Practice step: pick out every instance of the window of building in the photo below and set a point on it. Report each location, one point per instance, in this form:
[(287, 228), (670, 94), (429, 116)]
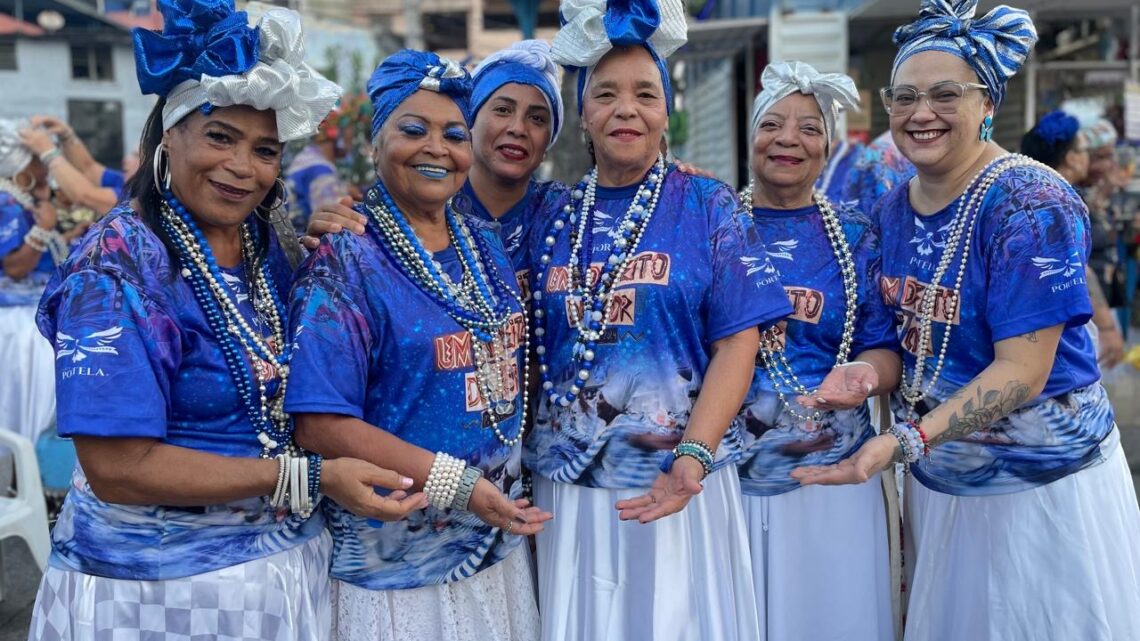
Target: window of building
[(99, 124), (8, 56), (92, 62)]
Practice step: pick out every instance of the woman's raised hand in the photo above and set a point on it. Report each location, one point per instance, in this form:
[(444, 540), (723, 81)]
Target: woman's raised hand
[(497, 510), (351, 482), (845, 386), (330, 219), (670, 493)]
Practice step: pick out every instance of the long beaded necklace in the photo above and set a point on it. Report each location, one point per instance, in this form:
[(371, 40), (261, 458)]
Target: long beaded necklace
[(594, 298), (962, 225), (19, 195), (267, 414), (776, 364), (478, 303)]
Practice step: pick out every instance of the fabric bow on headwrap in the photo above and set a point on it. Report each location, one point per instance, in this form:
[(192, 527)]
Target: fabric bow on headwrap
[(995, 45), (14, 156), (832, 91), (525, 63), (406, 72), (590, 28), (208, 54), (1057, 128)]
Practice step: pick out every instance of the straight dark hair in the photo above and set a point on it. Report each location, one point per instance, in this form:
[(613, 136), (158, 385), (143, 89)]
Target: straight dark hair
[(143, 189)]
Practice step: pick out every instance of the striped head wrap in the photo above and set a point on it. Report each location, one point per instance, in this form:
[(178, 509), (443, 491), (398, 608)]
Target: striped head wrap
[(995, 45)]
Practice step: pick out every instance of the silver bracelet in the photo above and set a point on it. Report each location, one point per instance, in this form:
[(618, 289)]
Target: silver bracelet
[(467, 482)]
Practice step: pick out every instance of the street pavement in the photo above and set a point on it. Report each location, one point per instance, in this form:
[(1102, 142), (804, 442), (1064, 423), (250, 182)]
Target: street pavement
[(21, 577)]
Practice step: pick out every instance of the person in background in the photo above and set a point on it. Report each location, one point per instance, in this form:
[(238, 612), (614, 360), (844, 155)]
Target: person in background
[(879, 167), (86, 182), (1056, 141), (311, 176)]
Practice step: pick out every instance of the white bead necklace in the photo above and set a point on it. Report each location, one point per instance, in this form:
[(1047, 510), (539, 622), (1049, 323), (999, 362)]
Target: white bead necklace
[(779, 370), (962, 225), (19, 195)]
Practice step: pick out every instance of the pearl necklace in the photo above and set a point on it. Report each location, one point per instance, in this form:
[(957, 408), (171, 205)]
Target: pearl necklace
[(962, 225), (19, 195), (479, 304), (596, 299), (776, 364), (273, 426)]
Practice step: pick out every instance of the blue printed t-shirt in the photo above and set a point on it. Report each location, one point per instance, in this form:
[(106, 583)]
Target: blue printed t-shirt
[(136, 358), (370, 344), (1025, 273), (312, 181), (113, 180), (15, 223), (802, 256), (877, 169), (832, 179), (698, 277)]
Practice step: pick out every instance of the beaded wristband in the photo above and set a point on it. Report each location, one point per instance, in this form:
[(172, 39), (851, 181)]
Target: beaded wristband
[(278, 497), (34, 241), (315, 463), (467, 481), (50, 155), (443, 480), (921, 435), (692, 448)]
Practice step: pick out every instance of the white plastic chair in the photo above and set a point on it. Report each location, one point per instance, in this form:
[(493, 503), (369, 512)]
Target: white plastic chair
[(25, 515)]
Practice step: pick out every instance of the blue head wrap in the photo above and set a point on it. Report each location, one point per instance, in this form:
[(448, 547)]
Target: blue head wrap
[(590, 28), (207, 54), (1057, 128), (406, 72), (525, 63), (995, 45)]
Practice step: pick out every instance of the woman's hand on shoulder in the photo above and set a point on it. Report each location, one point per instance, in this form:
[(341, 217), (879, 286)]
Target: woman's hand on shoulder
[(330, 219), (694, 170), (351, 482), (497, 510)]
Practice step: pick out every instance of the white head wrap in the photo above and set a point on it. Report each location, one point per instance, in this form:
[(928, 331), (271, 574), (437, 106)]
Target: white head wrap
[(280, 81), (832, 91), (585, 35), (14, 156)]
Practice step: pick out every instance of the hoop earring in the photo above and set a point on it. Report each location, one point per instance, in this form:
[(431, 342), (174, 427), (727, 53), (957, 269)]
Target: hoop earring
[(279, 202), (161, 168), (986, 131), (32, 183)]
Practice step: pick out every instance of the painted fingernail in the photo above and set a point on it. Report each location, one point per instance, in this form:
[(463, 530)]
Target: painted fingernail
[(405, 481)]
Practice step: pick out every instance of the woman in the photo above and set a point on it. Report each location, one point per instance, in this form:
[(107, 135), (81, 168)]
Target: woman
[(1023, 518), (649, 286), (1057, 141), (189, 513), (839, 341), (410, 344), (29, 242), (82, 179)]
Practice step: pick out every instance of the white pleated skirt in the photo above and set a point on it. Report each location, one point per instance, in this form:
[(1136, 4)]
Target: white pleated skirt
[(1060, 562), (687, 577), (283, 597), (821, 563), (497, 604)]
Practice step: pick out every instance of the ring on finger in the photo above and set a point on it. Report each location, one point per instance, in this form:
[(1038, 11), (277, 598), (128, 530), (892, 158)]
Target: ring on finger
[(510, 526)]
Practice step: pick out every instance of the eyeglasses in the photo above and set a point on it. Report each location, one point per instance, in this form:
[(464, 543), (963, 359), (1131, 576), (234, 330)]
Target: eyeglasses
[(942, 98)]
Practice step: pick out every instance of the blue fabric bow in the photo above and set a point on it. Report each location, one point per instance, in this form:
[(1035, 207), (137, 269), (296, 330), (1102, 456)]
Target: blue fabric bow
[(631, 22), (1057, 128), (995, 45), (405, 72), (199, 37)]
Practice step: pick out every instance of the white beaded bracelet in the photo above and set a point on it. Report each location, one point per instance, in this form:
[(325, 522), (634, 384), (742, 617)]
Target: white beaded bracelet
[(278, 498), (442, 482)]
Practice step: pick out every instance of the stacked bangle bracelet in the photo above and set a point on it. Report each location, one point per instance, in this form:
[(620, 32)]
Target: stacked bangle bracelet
[(298, 483), (698, 450), (912, 441)]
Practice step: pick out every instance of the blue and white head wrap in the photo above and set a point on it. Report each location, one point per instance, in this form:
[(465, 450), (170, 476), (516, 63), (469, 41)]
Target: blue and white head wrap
[(525, 63), (406, 72), (590, 28), (995, 45), (832, 91), (210, 54)]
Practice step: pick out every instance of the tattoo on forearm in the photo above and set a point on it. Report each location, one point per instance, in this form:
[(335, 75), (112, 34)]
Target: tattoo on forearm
[(982, 407), (1031, 337)]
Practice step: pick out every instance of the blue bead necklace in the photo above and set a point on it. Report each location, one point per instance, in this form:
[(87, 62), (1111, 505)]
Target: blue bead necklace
[(589, 291), (479, 302), (241, 346)]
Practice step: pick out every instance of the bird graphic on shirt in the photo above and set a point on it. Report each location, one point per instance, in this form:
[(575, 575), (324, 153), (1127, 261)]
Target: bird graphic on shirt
[(95, 343)]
